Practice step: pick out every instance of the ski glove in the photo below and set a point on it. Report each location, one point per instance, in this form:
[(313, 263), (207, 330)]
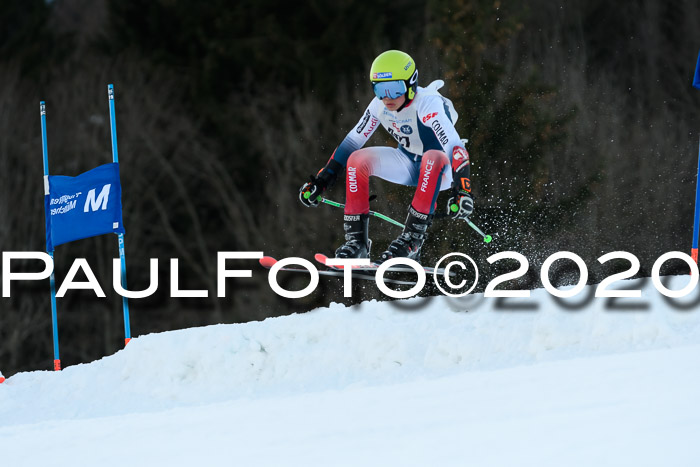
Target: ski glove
[(310, 193), (460, 205)]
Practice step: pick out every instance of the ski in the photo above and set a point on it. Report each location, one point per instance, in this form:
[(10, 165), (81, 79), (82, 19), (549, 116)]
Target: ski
[(268, 261), (321, 258)]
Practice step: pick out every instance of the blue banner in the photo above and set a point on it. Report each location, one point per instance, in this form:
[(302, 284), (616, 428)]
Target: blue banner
[(83, 206), (696, 80)]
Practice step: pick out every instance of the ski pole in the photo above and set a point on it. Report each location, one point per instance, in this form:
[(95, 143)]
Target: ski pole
[(371, 213), (487, 238)]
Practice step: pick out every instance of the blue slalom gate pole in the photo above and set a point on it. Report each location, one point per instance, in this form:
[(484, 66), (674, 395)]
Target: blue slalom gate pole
[(54, 314), (122, 252), (696, 224)]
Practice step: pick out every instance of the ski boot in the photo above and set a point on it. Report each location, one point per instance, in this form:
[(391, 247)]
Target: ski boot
[(409, 243), (357, 243)]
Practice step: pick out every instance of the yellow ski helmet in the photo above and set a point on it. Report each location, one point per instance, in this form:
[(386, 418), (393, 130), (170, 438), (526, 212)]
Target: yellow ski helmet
[(394, 73)]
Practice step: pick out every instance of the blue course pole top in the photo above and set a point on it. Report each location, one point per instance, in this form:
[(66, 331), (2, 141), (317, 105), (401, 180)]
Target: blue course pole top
[(44, 147), (112, 122)]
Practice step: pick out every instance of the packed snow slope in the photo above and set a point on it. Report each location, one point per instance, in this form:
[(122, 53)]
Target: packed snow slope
[(481, 382)]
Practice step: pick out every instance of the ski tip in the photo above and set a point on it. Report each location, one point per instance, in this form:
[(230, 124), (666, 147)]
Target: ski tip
[(267, 261), (321, 258)]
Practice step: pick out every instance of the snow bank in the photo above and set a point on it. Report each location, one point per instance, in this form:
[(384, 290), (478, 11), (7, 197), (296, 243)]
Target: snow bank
[(477, 382), (339, 347)]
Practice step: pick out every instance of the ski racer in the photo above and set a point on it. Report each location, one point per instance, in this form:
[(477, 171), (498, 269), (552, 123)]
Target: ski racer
[(429, 156)]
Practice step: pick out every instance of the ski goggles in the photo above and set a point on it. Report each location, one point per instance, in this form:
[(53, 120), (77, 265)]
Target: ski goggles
[(390, 89)]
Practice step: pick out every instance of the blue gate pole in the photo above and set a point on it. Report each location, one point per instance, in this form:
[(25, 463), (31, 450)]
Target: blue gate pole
[(696, 224), (54, 315), (122, 253)]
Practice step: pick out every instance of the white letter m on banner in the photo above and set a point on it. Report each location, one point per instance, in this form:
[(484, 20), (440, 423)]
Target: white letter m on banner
[(94, 204)]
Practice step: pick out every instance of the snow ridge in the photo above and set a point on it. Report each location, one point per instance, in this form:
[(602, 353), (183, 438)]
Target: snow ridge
[(333, 348)]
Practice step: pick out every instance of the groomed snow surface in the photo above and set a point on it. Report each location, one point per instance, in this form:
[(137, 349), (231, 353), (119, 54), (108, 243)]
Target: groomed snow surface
[(477, 382)]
